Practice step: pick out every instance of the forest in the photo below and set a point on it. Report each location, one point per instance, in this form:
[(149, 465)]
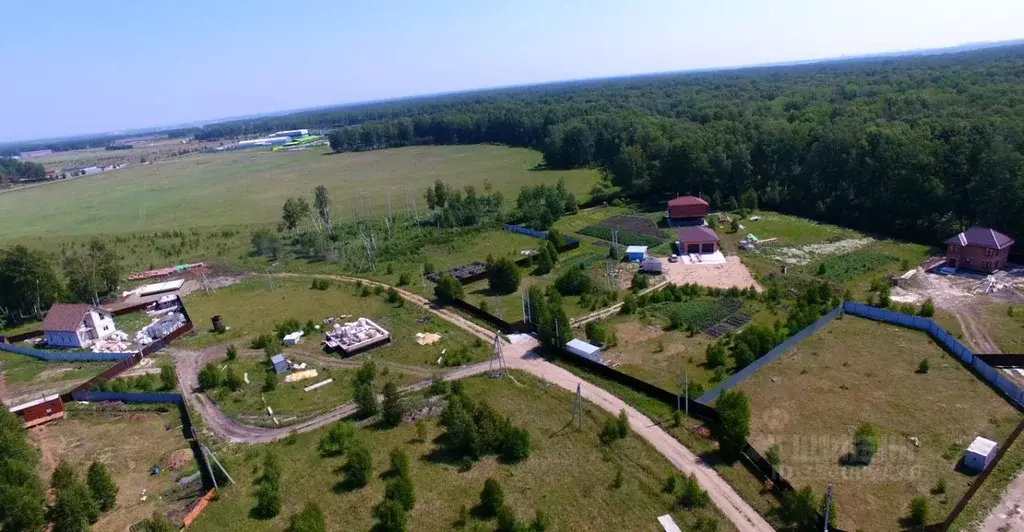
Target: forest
[(14, 171)]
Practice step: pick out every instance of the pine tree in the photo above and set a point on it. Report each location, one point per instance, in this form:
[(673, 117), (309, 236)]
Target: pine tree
[(103, 489)]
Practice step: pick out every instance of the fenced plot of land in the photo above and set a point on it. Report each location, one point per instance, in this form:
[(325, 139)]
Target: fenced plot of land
[(812, 399), (26, 378), (632, 230), (130, 444), (569, 474)]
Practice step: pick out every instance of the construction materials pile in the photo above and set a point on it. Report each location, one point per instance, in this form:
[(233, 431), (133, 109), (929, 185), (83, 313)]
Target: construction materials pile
[(116, 342), (356, 336), (160, 327), (462, 271)]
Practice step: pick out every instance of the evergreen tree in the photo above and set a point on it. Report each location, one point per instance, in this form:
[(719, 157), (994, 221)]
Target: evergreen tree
[(103, 489), (392, 410)]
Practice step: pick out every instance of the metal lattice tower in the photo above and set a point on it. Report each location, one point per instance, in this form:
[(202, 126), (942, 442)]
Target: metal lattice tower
[(497, 369), (828, 504), (577, 407)]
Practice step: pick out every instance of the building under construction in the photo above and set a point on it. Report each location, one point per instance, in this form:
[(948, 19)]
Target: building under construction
[(356, 337)]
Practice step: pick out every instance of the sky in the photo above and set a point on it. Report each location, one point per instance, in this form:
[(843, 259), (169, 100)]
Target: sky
[(90, 66)]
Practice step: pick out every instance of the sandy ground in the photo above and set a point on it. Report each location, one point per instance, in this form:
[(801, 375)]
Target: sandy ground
[(517, 355), (1009, 513), (732, 273)]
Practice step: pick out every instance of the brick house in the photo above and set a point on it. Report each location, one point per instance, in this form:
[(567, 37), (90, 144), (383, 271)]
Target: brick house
[(978, 248), (76, 326), (697, 240), (687, 210)]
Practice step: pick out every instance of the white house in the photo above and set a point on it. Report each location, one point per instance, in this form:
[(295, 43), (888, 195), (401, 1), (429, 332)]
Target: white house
[(980, 454), (76, 325)]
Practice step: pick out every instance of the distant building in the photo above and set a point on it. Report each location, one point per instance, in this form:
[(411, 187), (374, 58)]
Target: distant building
[(980, 454), (583, 349), (35, 153), (636, 253), (687, 210), (280, 364), (978, 248), (76, 326), (268, 141), (697, 240), (39, 411), (293, 133)]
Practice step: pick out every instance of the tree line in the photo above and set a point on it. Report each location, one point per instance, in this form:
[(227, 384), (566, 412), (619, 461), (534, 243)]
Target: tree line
[(14, 170)]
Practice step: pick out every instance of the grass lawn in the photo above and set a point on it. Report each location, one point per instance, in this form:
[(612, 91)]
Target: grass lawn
[(812, 399), (129, 443), (1007, 331), (991, 492), (28, 326), (26, 375), (251, 307), (289, 401), (249, 186), (568, 475)]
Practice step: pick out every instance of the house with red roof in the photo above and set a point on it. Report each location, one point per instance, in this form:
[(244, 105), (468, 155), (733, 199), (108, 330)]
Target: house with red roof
[(687, 210), (978, 248)]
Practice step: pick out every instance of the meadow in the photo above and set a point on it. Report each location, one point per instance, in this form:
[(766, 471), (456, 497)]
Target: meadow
[(811, 400), (569, 475), (249, 187)]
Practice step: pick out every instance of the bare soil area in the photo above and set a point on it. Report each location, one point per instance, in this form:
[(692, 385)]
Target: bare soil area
[(732, 273)]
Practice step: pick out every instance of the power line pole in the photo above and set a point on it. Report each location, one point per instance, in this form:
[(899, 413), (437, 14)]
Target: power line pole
[(577, 407), (828, 505), (497, 369)]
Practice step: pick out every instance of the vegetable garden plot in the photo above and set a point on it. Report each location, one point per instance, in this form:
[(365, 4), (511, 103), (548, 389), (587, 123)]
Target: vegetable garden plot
[(701, 314), (626, 238), (634, 224)]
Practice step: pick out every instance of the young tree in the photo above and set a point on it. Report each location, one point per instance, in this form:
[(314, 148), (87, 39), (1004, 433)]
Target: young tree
[(400, 489), (749, 199), (924, 366), (158, 522), (542, 262), (391, 517), (168, 378), (629, 304), (28, 281), (266, 243), (730, 204), (517, 444), (574, 281), (774, 455), (691, 495), (366, 372), (392, 410), (63, 477), (541, 522), (337, 439), (551, 251), (715, 355), (232, 380), (322, 203), (640, 282), (798, 509), (507, 521), (919, 511), (865, 444), (733, 426), (492, 498), (209, 377), (365, 399), (595, 333), (448, 288), (102, 487), (503, 276), (92, 273), (270, 381), (734, 226), (290, 214), (927, 308), (75, 509), (310, 519), (359, 466), (268, 500)]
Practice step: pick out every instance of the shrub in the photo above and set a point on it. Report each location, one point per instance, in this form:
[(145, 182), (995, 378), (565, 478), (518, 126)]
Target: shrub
[(503, 276), (320, 284), (629, 304), (168, 378), (517, 444), (365, 399), (404, 279), (622, 424), (924, 366), (448, 288), (391, 517), (541, 522), (733, 426), (359, 466), (287, 327), (270, 381), (715, 355), (574, 281), (102, 487), (438, 386), (400, 490), (918, 511), (232, 352), (618, 480), (640, 282), (670, 483), (262, 341), (232, 380), (507, 521), (927, 308), (595, 333), (310, 519), (492, 498), (393, 296), (797, 508), (337, 439), (268, 501), (774, 456), (940, 486), (865, 444), (691, 495), (209, 377)]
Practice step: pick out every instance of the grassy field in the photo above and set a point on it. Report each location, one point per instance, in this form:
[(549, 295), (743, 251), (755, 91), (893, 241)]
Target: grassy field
[(251, 307), (990, 493), (129, 444), (1006, 330), (289, 401), (812, 399), (568, 475), (24, 375), (249, 187)]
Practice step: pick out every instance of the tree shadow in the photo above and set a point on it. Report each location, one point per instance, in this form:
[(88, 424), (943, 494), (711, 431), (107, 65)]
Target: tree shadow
[(851, 460), (346, 484)]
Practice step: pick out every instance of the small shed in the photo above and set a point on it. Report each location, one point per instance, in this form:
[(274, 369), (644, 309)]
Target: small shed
[(293, 338), (583, 349), (651, 265), (39, 411), (980, 454), (636, 253), (280, 364)]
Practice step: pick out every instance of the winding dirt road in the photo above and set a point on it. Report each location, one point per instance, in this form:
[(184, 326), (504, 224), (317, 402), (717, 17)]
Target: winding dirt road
[(518, 355)]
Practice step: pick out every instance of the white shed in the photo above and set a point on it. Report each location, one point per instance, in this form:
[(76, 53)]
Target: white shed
[(980, 454), (583, 349), (636, 253)]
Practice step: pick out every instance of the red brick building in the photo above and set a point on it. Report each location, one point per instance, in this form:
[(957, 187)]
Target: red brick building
[(978, 248), (687, 210), (39, 411)]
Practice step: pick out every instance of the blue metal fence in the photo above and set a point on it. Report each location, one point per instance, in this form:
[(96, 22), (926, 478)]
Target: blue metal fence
[(70, 356), (128, 397), (525, 231), (742, 374)]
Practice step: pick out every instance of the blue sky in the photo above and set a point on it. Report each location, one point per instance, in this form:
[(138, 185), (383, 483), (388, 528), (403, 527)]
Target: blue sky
[(84, 66)]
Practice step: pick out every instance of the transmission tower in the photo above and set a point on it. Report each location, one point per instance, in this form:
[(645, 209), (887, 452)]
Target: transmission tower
[(497, 369), (577, 407)]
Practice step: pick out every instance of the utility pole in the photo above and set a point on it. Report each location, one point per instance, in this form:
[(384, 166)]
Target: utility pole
[(828, 504), (497, 369), (687, 393), (678, 391), (577, 407)]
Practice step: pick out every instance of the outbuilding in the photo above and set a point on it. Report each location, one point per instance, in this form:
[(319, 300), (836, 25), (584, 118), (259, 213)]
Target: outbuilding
[(76, 326), (279, 363), (651, 265), (978, 248), (699, 240), (980, 454), (583, 349), (636, 253), (39, 411), (687, 210)]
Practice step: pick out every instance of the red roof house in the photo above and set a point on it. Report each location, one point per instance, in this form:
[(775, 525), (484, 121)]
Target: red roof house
[(697, 240), (978, 248), (687, 209)]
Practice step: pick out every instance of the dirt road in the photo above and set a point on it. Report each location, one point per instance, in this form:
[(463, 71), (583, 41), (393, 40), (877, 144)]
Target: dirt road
[(1009, 513), (609, 311), (518, 355), (962, 303)]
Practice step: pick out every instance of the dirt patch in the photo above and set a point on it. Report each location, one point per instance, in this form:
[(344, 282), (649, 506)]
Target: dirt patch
[(178, 459), (806, 254), (732, 273)]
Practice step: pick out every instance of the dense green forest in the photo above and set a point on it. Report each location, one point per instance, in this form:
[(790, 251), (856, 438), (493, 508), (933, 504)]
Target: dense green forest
[(915, 147), (13, 171)]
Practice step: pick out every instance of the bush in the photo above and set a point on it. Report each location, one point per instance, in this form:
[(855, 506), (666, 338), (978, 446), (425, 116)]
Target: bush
[(231, 352), (158, 522), (320, 284), (287, 327), (774, 456), (670, 483), (209, 377), (595, 333), (337, 439), (517, 444), (865, 444), (927, 308), (574, 281), (400, 490), (940, 487), (507, 521), (924, 366), (102, 487), (797, 508), (310, 519), (232, 380), (542, 262), (448, 288), (541, 522), (168, 378), (391, 517), (733, 426), (393, 296), (404, 279), (715, 355), (270, 381), (365, 399), (492, 498), (640, 282), (268, 501), (359, 466), (503, 276), (619, 479), (691, 495), (629, 304), (918, 511), (262, 341)]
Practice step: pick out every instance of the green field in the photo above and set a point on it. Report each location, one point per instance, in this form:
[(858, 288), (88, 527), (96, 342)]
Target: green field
[(569, 474), (249, 187)]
